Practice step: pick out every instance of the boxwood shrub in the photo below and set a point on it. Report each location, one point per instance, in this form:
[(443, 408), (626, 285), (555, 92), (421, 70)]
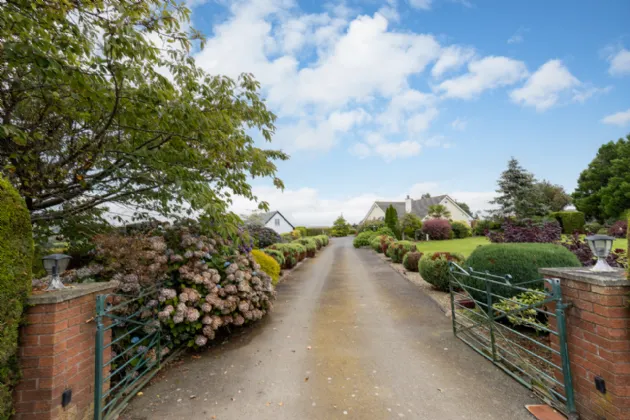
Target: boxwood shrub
[(397, 250), (570, 221), (276, 255), (364, 238), (267, 264), (309, 244), (520, 260), (411, 260), (293, 253), (434, 268)]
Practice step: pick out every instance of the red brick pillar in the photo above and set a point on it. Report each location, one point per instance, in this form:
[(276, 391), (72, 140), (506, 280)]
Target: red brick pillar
[(57, 354), (598, 335)]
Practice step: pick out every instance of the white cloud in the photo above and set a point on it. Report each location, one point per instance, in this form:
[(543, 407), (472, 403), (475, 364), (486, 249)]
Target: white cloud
[(586, 92), (518, 37), (619, 63), (421, 4), (542, 90), (459, 124), (376, 145), (452, 58), (487, 73), (619, 118), (308, 207), (402, 105), (419, 122)]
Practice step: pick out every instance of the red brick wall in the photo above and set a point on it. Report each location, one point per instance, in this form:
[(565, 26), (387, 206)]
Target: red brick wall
[(57, 353), (598, 335)]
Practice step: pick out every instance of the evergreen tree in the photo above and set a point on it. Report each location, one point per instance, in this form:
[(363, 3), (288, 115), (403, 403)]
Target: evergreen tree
[(340, 227), (391, 218), (517, 194)]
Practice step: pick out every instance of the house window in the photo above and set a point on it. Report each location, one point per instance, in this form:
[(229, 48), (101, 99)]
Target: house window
[(277, 222)]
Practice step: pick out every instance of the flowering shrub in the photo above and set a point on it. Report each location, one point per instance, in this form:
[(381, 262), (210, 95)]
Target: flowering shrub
[(527, 231), (267, 264), (263, 236), (434, 268), (397, 250), (202, 283), (461, 230), (437, 229), (619, 229), (364, 238), (411, 260)]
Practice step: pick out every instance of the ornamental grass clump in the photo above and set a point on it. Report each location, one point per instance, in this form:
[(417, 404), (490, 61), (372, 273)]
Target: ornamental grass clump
[(397, 250), (434, 268), (411, 260)]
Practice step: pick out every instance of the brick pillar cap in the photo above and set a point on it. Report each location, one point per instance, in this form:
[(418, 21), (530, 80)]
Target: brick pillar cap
[(614, 278), (69, 293)]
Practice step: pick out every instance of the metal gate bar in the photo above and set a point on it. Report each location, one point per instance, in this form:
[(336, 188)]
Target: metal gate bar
[(489, 331)]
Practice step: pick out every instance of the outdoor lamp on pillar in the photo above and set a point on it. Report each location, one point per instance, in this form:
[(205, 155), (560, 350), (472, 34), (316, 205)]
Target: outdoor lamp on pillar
[(600, 245), (55, 264)]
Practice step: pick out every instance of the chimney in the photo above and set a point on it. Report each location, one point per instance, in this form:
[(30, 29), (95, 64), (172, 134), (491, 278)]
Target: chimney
[(408, 202)]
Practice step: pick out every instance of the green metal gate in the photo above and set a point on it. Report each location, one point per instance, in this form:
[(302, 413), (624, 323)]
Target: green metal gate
[(132, 356), (526, 340)]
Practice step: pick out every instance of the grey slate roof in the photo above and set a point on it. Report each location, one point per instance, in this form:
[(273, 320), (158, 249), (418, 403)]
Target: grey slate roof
[(418, 207)]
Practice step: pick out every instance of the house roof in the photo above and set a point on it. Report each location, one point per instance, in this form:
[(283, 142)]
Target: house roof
[(418, 207), (266, 217)]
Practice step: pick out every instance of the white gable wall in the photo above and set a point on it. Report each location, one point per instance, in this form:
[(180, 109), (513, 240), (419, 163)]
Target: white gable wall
[(278, 224), (375, 213), (456, 213)]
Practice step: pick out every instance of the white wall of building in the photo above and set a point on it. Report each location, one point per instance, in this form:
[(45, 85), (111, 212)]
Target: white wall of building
[(278, 224), (375, 213), (456, 213)]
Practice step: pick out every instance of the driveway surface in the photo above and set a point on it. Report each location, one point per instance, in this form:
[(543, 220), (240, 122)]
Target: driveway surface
[(349, 338)]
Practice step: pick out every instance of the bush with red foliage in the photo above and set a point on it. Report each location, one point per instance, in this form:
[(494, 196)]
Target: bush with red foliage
[(527, 231), (619, 229), (437, 229), (575, 244)]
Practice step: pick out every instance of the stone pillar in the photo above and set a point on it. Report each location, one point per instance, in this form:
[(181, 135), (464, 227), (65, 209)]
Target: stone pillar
[(598, 335), (56, 354)]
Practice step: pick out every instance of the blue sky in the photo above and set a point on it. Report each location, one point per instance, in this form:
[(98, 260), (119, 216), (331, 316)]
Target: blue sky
[(379, 99)]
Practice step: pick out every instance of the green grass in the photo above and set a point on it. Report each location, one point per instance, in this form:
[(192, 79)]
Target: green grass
[(463, 246), (468, 245)]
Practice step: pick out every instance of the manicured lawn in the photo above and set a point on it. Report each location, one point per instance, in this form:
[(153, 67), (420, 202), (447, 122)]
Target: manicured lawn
[(468, 245), (463, 246)]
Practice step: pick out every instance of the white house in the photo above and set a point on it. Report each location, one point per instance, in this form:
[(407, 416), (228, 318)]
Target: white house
[(276, 221), (418, 207)]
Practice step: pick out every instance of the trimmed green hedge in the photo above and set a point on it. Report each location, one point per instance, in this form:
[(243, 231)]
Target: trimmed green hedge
[(435, 270), (520, 260), (571, 221), (276, 255), (293, 253), (310, 244), (364, 238), (16, 254), (324, 238), (397, 250)]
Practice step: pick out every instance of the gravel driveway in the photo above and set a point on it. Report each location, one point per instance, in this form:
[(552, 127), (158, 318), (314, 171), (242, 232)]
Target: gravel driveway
[(348, 338)]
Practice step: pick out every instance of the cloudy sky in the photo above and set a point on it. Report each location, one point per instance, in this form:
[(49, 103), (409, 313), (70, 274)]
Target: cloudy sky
[(380, 99)]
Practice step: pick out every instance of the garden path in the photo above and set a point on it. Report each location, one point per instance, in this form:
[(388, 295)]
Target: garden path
[(348, 338)]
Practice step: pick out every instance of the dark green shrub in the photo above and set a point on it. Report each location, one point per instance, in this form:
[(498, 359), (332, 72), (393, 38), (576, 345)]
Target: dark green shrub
[(461, 230), (386, 231), (364, 238), (397, 250), (519, 260), (16, 253), (409, 225), (570, 221), (592, 228), (484, 226), (263, 236), (435, 270), (276, 255), (411, 260)]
